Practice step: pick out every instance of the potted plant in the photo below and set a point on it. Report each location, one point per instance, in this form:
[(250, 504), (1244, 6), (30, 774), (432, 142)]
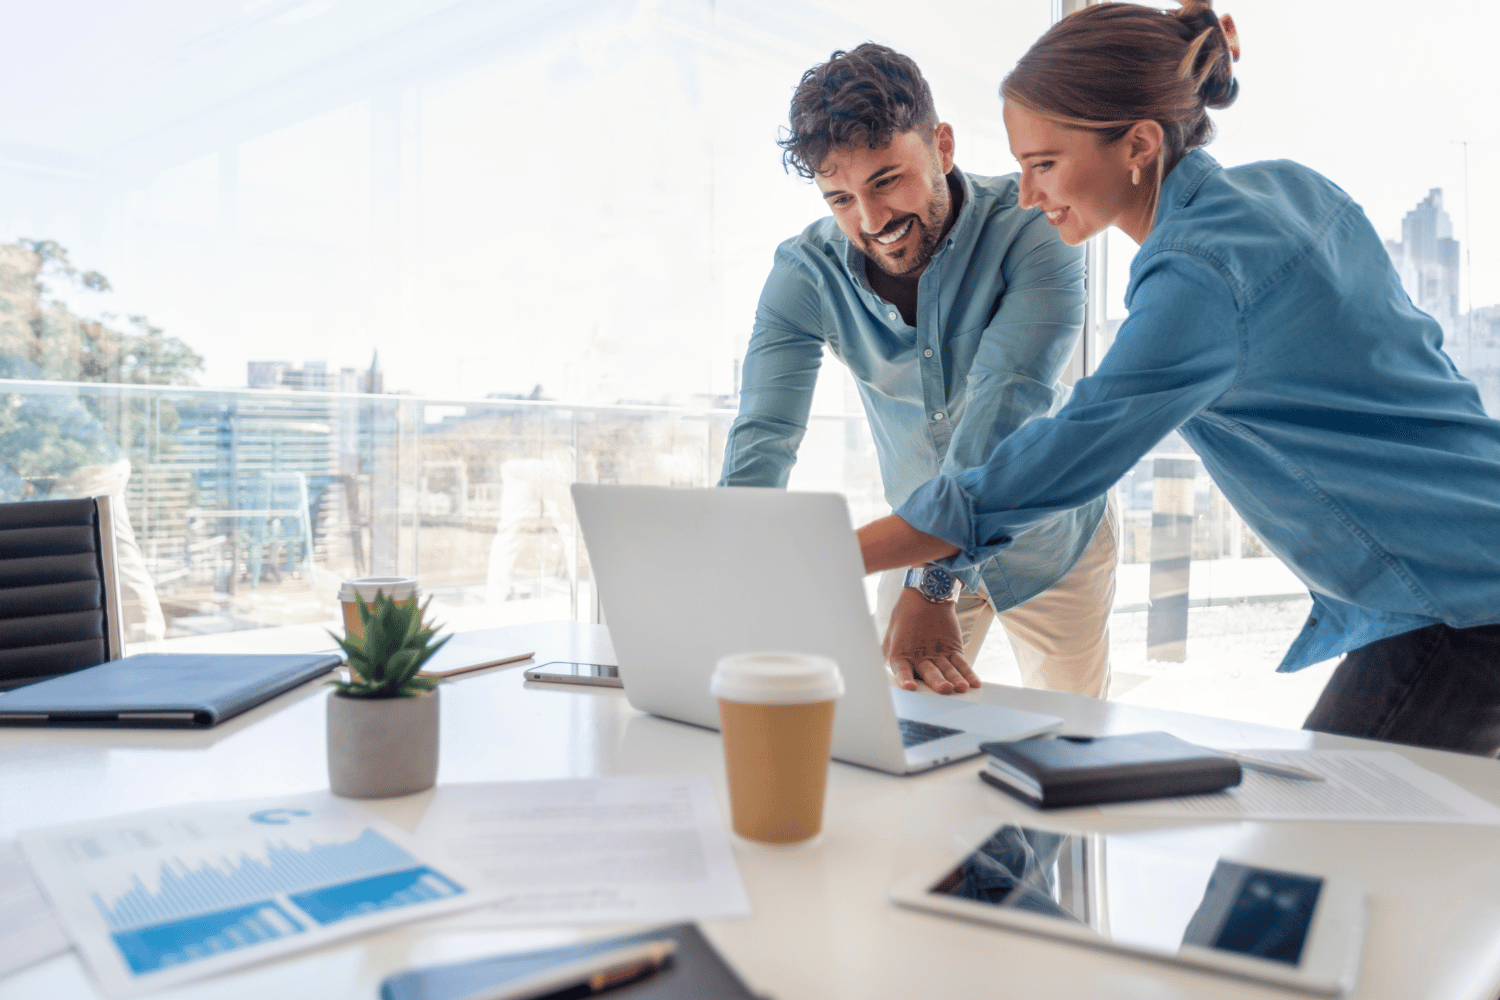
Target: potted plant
[(383, 721)]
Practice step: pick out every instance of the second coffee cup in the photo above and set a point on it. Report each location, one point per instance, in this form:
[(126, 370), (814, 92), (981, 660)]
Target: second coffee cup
[(776, 713), (399, 589)]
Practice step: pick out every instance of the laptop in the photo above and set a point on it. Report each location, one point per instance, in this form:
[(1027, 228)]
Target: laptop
[(686, 576)]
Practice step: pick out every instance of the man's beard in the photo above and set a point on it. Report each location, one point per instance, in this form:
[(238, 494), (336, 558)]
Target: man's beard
[(916, 256)]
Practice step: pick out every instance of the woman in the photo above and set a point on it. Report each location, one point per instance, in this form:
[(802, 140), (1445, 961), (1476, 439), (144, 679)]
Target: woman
[(1267, 324)]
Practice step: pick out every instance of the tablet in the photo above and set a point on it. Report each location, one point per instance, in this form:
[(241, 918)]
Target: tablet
[(1142, 894)]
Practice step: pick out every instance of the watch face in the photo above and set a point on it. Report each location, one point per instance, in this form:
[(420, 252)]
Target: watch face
[(937, 582)]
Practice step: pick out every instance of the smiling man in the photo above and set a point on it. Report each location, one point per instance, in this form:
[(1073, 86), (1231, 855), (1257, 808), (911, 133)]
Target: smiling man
[(956, 311)]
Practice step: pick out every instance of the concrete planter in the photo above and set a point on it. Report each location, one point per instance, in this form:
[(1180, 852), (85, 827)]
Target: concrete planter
[(379, 747)]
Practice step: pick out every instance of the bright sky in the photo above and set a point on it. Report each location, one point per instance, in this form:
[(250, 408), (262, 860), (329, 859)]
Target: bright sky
[(592, 205)]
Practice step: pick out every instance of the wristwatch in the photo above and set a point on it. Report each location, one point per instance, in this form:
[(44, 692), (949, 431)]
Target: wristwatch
[(934, 583)]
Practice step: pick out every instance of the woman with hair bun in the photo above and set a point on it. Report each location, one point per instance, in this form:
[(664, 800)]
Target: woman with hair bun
[(1266, 324)]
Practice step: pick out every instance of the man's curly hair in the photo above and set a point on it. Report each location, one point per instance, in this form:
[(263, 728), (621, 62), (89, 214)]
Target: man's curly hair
[(861, 97)]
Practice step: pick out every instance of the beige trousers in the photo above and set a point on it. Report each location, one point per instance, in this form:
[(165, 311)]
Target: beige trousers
[(1060, 637)]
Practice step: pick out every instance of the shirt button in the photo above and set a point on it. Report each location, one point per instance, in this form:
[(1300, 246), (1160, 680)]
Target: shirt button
[(938, 415), (892, 315), (927, 353)]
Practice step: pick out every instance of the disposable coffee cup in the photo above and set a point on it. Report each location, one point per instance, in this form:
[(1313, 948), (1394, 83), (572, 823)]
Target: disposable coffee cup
[(401, 589), (776, 713)]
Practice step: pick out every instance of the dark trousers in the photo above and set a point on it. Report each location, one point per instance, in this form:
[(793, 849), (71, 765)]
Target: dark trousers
[(1435, 687)]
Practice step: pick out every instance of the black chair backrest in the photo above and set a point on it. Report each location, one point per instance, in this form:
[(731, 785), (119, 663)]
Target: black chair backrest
[(53, 602)]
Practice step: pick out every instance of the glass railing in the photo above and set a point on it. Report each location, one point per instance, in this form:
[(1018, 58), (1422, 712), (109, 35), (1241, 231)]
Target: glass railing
[(247, 508)]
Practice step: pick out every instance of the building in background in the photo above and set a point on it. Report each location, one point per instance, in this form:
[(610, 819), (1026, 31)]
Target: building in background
[(1428, 260), (1426, 257), (1481, 341), (314, 376)]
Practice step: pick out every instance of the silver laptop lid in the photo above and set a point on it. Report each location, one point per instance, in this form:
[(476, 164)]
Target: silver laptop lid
[(688, 575)]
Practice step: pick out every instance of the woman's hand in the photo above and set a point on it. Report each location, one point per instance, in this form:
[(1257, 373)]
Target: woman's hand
[(890, 543)]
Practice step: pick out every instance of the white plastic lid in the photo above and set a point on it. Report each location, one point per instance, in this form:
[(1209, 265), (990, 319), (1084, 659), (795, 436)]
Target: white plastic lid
[(397, 588), (772, 678)]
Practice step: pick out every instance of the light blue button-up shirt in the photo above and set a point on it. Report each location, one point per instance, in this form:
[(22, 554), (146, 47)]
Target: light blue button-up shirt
[(999, 309), (1267, 321)]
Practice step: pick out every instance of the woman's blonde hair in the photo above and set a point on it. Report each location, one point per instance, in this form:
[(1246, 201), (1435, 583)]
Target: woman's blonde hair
[(1108, 66)]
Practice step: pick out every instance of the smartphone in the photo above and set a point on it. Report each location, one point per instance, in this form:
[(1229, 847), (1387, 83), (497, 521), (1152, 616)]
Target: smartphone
[(1140, 893), (570, 672)]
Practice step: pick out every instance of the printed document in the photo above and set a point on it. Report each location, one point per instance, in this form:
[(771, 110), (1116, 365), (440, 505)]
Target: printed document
[(1361, 786), (602, 850), (27, 931), (157, 898)]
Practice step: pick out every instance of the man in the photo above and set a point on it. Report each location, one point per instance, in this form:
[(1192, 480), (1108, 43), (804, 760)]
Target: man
[(956, 311)]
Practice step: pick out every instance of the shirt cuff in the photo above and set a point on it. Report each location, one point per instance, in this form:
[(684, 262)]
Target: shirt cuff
[(941, 507)]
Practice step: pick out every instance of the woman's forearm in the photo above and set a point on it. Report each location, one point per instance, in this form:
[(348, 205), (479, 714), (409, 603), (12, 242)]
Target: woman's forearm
[(891, 542)]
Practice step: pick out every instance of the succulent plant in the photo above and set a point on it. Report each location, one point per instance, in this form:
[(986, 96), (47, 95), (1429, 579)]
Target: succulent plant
[(397, 641)]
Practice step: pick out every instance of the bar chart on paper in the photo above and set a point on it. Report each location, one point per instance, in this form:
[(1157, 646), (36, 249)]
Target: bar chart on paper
[(183, 892), (215, 906)]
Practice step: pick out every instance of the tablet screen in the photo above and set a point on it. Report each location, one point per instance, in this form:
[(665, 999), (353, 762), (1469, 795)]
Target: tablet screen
[(1156, 900)]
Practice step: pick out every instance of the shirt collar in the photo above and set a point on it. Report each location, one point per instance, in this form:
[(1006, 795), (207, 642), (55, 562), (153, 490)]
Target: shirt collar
[(1182, 183), (966, 211)]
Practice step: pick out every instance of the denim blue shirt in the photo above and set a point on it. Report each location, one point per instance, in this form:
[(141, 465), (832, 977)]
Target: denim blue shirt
[(1268, 325), (999, 309)]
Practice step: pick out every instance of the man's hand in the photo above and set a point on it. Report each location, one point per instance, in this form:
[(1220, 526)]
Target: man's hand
[(924, 640)]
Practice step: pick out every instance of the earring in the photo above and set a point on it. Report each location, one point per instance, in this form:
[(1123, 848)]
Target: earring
[(1135, 176)]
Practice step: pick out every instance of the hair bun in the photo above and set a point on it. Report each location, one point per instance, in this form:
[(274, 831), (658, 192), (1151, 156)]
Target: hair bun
[(1197, 14), (1220, 88), (1213, 50)]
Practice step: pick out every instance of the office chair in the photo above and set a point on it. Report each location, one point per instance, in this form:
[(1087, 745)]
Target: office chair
[(59, 589)]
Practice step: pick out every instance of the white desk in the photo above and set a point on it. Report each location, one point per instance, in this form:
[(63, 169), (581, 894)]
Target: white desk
[(821, 927)]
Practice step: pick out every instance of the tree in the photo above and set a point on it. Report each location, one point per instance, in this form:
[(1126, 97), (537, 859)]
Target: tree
[(51, 253), (45, 433), (70, 348)]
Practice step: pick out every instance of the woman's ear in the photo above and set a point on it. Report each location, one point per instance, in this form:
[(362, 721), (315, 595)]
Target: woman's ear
[(1143, 144)]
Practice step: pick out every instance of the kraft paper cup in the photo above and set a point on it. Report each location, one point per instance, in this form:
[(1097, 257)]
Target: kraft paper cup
[(776, 714), (400, 589)]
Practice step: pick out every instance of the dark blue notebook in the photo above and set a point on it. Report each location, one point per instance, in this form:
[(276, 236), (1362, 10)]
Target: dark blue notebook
[(696, 972), (192, 690)]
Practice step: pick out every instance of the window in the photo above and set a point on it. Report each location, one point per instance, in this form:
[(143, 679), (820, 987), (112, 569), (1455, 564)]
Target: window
[(435, 260)]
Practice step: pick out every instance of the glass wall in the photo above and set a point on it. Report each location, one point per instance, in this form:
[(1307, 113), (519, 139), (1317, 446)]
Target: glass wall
[(436, 260), (248, 508), (576, 200), (489, 243)]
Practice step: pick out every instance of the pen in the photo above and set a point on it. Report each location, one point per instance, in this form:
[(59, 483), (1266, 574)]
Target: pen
[(1265, 766), (589, 976), (450, 672)]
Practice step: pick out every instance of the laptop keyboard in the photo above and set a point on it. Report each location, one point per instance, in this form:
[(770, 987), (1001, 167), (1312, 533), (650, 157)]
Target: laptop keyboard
[(914, 733)]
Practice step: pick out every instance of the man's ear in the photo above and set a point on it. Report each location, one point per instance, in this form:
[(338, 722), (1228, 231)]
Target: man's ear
[(942, 138)]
